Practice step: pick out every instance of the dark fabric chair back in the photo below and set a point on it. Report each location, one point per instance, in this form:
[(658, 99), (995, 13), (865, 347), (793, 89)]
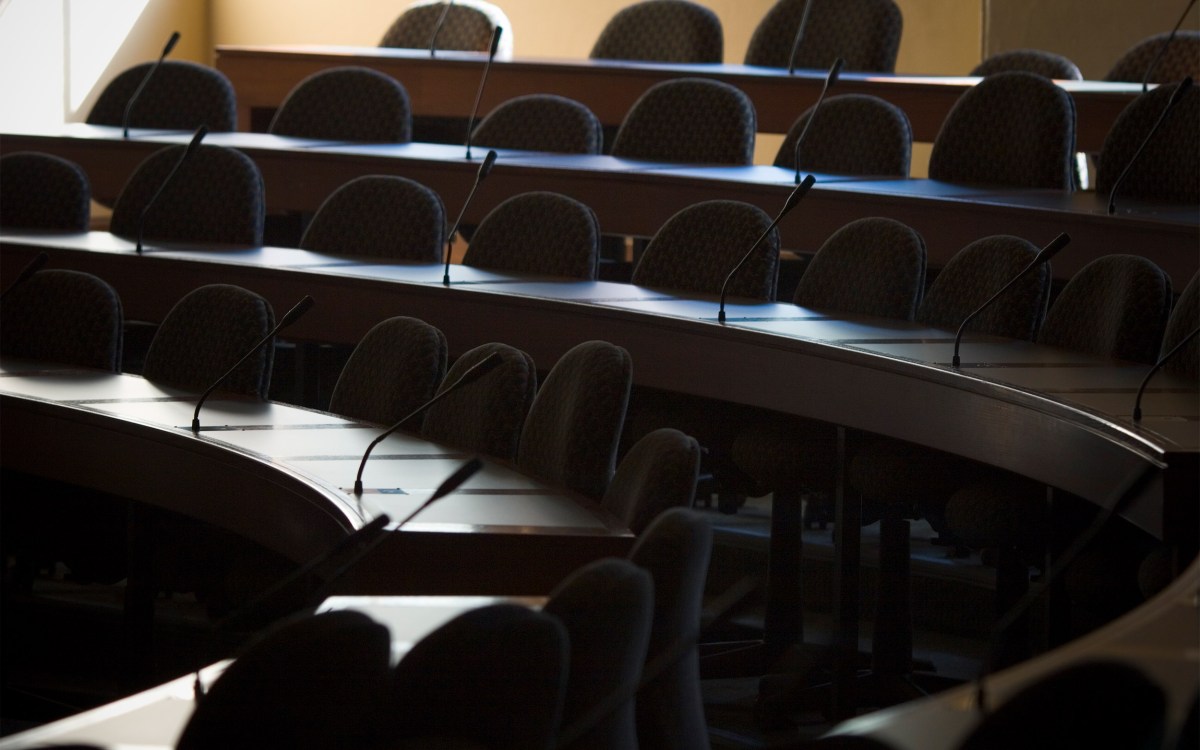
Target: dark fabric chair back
[(346, 104), (1037, 61), (699, 246), (538, 233), (380, 216), (43, 191), (865, 33), (487, 415), (689, 120), (853, 134), (659, 472), (1011, 129), (1182, 59), (675, 31), (468, 26), (573, 428), (63, 316), (1167, 167), (1184, 319), (873, 266), (182, 95), (216, 196), (208, 331), (394, 369), (541, 122)]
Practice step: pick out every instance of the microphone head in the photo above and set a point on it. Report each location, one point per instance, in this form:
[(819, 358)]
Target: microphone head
[(299, 309), (834, 72), (199, 136), (800, 191), (1180, 90), (488, 162), (171, 43), (481, 368), (1056, 244), (456, 480), (495, 41)]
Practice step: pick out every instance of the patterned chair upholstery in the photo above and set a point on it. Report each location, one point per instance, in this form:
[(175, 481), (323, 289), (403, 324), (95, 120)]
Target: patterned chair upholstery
[(573, 428), (541, 122), (675, 31), (468, 26), (181, 96), (689, 120), (1012, 129), (675, 548), (492, 677), (205, 333), (347, 104), (1166, 169), (485, 416), (380, 216), (43, 191), (538, 232), (1184, 319), (396, 367), (658, 472), (865, 33), (697, 248), (1182, 59), (1038, 61), (63, 316), (217, 196), (606, 607), (853, 134)]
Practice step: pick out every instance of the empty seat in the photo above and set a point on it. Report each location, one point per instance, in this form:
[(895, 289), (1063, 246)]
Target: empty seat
[(853, 134), (346, 104), (1166, 168), (689, 120), (1180, 60), (395, 368), (864, 33), (63, 316), (182, 95), (541, 122), (539, 233), (657, 473), (380, 216), (1037, 61), (675, 31), (43, 191), (468, 25)]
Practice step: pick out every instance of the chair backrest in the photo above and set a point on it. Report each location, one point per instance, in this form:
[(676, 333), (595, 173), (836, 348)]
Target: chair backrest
[(349, 103), (607, 608), (541, 122), (43, 191), (394, 369), (872, 266), (216, 196), (689, 120), (1116, 306), (1011, 129), (1182, 59), (659, 472), (485, 416), (468, 26), (865, 33), (853, 134), (496, 675), (182, 95), (380, 216), (1184, 319), (63, 316), (573, 428), (675, 549), (675, 31), (315, 681), (205, 333), (1037, 61), (1167, 167), (697, 248), (977, 272), (538, 232)]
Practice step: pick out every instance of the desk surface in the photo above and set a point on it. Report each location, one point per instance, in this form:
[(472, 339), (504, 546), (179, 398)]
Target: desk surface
[(445, 85), (636, 198)]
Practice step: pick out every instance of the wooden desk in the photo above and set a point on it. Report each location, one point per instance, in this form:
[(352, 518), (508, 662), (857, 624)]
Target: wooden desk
[(445, 85), (280, 476), (636, 198)]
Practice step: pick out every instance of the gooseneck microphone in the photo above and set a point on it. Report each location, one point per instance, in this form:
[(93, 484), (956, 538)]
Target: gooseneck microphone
[(187, 154), (480, 176), (437, 29), (141, 86), (292, 316), (1137, 404), (482, 82), (834, 71), (797, 193), (1044, 256), (478, 370), (1176, 97), (798, 38), (1162, 50), (27, 272)]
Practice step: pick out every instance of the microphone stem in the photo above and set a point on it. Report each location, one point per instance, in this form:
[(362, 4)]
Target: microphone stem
[(1137, 404)]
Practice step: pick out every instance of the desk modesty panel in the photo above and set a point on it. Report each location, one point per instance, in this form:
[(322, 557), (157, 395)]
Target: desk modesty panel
[(445, 85), (1058, 417), (636, 198), (281, 476)]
